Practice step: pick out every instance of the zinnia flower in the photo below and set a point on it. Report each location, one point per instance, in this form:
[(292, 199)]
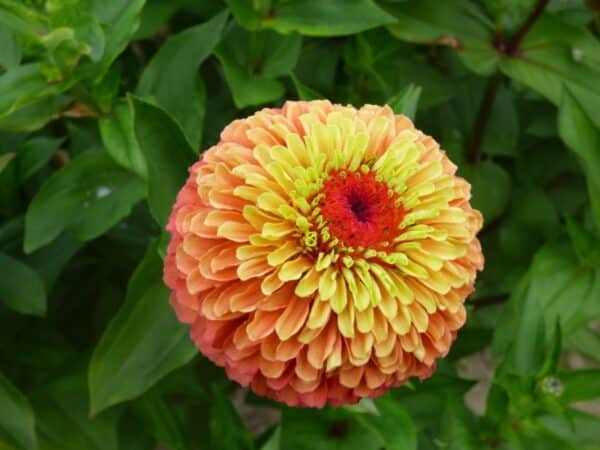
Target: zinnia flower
[(322, 254)]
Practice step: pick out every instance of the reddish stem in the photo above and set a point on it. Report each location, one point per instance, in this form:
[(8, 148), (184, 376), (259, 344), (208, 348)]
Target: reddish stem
[(483, 117), (536, 12)]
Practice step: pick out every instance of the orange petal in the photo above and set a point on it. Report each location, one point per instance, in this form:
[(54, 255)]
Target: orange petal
[(350, 377), (292, 319), (253, 268), (320, 348), (278, 299), (262, 324), (289, 349), (236, 231)]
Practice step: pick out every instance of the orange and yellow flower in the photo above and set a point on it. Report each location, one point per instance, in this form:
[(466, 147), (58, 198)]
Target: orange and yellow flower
[(322, 254)]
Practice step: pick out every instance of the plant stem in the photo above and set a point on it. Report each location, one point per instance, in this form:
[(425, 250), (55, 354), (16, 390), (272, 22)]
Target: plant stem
[(536, 12), (483, 117), (491, 89)]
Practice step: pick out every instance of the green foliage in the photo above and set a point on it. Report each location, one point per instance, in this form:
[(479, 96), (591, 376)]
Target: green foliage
[(17, 428), (104, 104), (142, 342)]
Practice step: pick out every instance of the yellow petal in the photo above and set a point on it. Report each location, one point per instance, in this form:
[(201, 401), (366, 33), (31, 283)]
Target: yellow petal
[(388, 306), (293, 270), (339, 299), (365, 320), (270, 202), (346, 321), (319, 315), (274, 231), (404, 293), (418, 317), (327, 283), (401, 323), (283, 253), (256, 217), (271, 283), (362, 299), (308, 284)]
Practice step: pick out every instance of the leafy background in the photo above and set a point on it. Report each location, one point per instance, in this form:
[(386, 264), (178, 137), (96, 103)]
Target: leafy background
[(103, 105)]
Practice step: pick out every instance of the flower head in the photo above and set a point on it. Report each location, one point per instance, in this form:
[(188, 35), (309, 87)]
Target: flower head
[(322, 253)]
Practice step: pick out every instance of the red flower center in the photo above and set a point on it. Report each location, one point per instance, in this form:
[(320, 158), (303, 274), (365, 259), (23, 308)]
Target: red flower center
[(361, 211)]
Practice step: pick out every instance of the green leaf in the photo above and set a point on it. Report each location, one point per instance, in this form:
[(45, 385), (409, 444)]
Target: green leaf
[(35, 114), (244, 13), (565, 288), (273, 442), (521, 335), (143, 342), (392, 424), (580, 432), (155, 16), (120, 20), (556, 55), (63, 422), (502, 134), (118, 137), (585, 341), (34, 154), (247, 89), (87, 197), (580, 385), (579, 133), (22, 19), (305, 92), (226, 427), (10, 57), (317, 66), (554, 353), (426, 400), (252, 61), (331, 18), (406, 101), (172, 75), (6, 159), (17, 423), (280, 54), (490, 185), (160, 419), (471, 339), (585, 243), (460, 25), (74, 27), (326, 429), (168, 156), (50, 260), (532, 220), (557, 288), (21, 288), (457, 427), (23, 86)]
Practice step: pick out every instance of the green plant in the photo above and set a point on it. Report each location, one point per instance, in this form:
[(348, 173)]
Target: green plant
[(104, 104)]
